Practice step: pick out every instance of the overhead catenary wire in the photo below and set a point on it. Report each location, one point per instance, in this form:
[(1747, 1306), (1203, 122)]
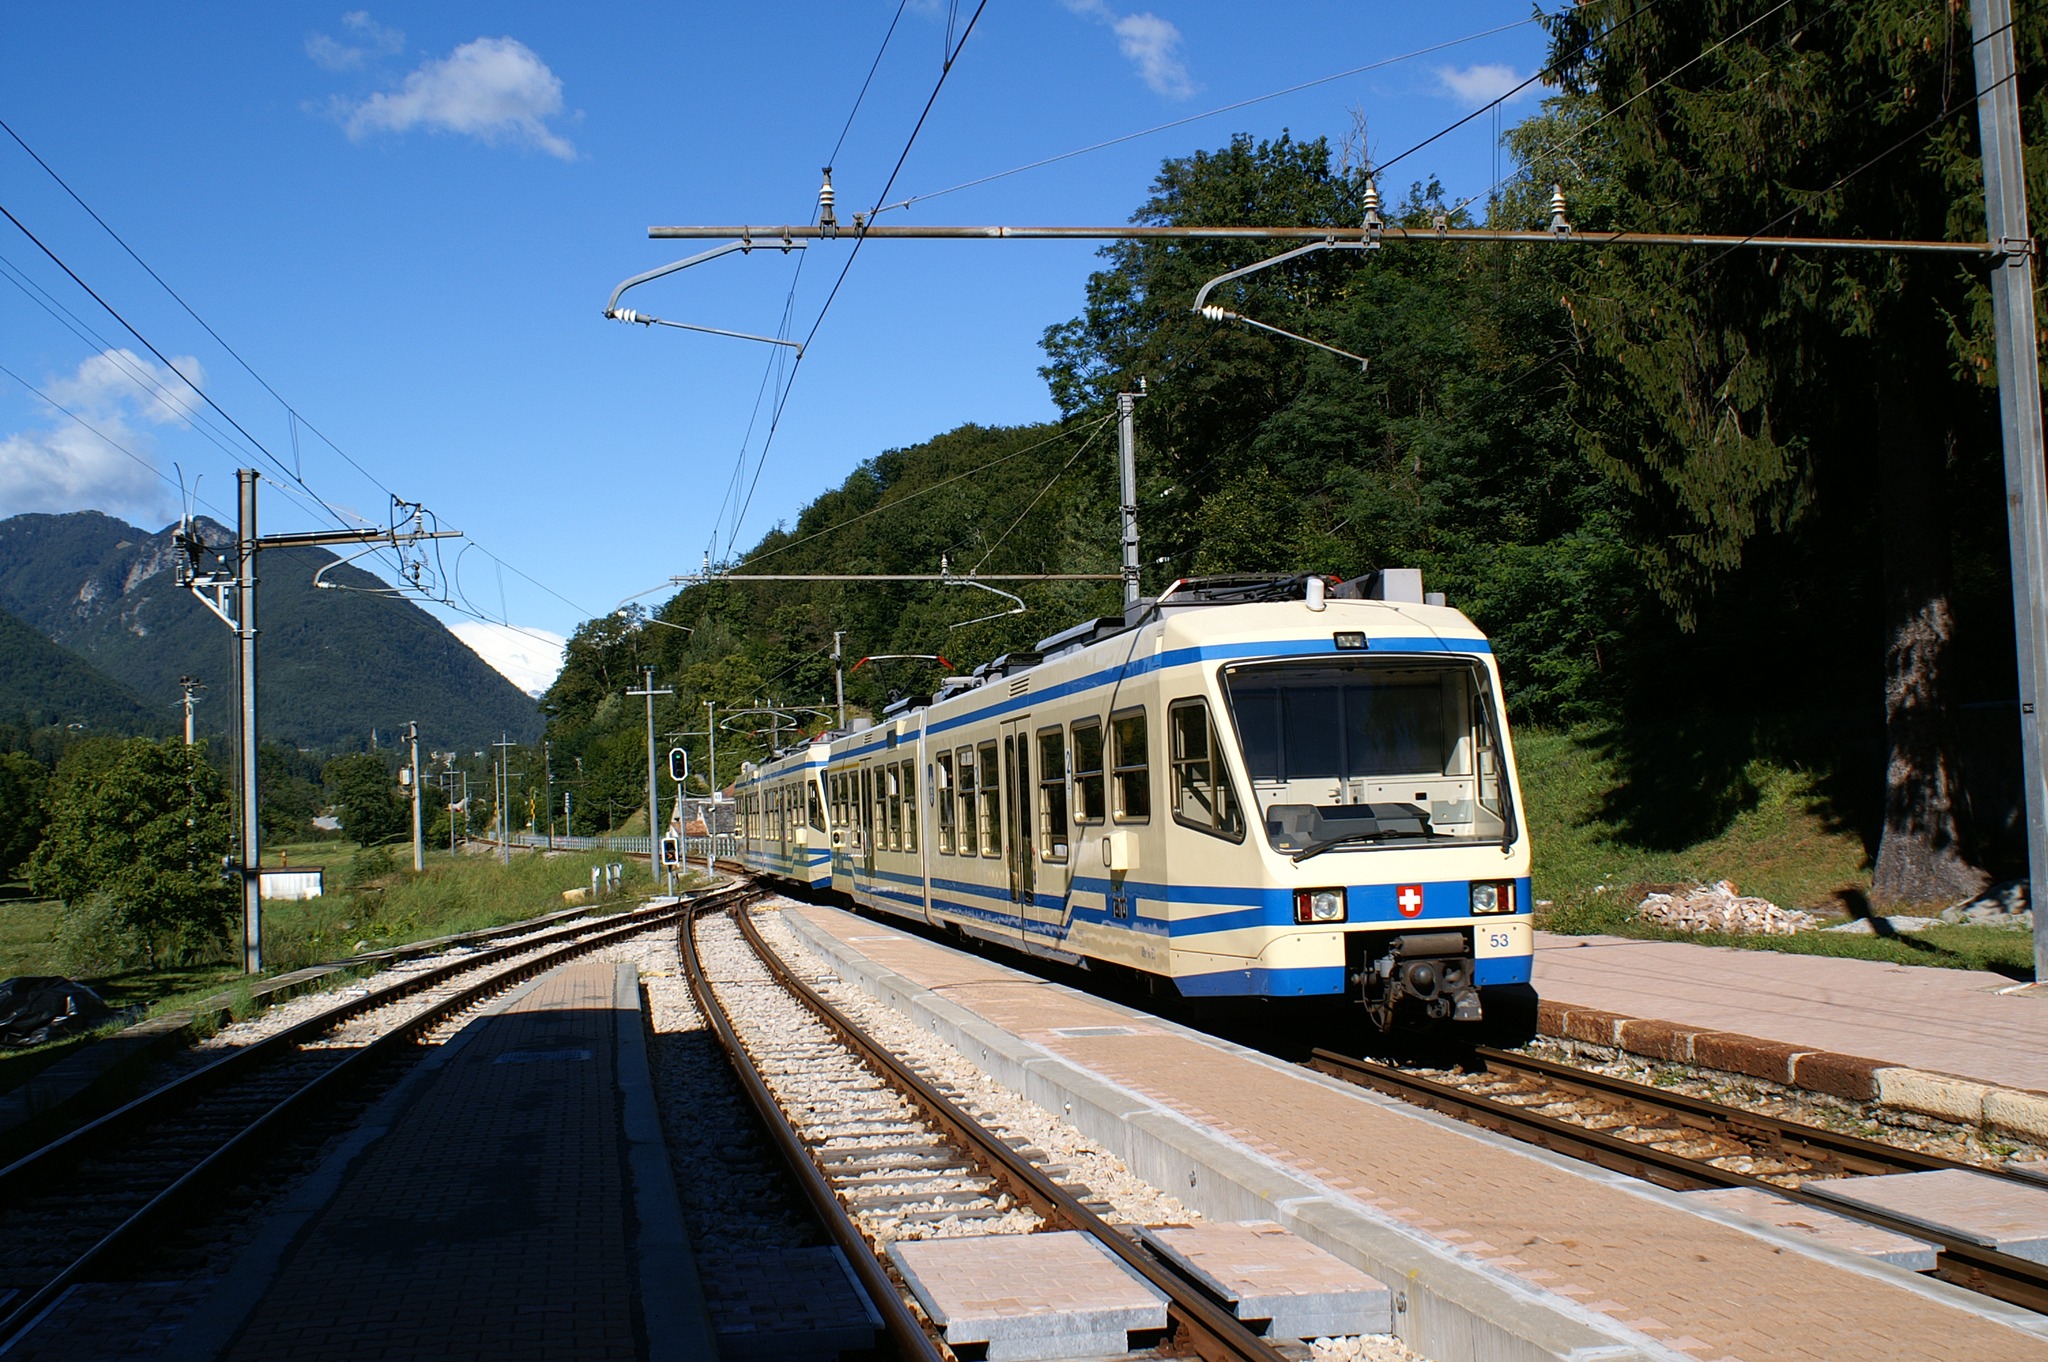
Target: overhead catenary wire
[(860, 236), (928, 488), (1219, 110), (294, 484)]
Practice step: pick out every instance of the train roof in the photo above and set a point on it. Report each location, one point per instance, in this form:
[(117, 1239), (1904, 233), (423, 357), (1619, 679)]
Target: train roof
[(1199, 611)]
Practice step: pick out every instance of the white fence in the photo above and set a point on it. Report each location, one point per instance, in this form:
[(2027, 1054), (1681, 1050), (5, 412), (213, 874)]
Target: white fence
[(724, 846)]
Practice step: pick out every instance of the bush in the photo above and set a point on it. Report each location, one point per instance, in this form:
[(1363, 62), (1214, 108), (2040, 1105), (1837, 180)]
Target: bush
[(95, 938), (368, 864)]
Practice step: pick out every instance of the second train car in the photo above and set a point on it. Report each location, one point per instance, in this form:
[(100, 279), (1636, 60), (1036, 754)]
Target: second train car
[(1249, 787)]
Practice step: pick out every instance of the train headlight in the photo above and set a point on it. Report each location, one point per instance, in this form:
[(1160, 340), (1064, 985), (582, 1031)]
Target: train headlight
[(1319, 905), (1493, 896)]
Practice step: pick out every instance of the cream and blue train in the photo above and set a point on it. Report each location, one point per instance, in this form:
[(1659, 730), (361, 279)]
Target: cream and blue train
[(1248, 787)]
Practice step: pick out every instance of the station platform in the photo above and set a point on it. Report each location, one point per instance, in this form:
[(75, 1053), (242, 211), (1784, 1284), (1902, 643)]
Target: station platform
[(1961, 1044), (510, 1198), (1495, 1250)]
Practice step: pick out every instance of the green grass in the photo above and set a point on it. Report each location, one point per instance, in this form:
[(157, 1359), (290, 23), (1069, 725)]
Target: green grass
[(456, 893), (1779, 845), (459, 893)]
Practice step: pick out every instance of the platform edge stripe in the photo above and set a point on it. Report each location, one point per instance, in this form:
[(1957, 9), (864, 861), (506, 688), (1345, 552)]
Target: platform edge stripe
[(1477, 1312), (671, 1294)]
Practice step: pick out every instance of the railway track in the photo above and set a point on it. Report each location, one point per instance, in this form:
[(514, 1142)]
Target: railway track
[(877, 1147), (90, 1200), (1685, 1143)]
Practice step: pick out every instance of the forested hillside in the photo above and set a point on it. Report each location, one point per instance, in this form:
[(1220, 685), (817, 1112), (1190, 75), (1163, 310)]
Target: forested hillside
[(45, 686), (336, 664), (1711, 507)]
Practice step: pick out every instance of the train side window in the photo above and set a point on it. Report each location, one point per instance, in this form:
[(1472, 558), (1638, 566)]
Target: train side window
[(944, 784), (895, 784), (1131, 775), (1202, 797), (1052, 795), (910, 806), (1088, 805), (991, 801), (969, 844), (814, 806)]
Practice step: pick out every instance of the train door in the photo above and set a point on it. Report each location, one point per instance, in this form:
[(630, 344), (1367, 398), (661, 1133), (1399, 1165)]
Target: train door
[(864, 858), (1053, 850), (1018, 794)]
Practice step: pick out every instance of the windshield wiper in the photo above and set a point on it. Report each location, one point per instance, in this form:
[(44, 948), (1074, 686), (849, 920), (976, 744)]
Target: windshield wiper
[(1377, 835)]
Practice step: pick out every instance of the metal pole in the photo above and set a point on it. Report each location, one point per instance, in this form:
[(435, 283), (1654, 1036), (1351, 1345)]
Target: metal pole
[(711, 809), (245, 685), (2019, 406), (838, 674), (548, 787), (1464, 235), (502, 777), (419, 845), (1127, 468), (191, 685), (653, 786)]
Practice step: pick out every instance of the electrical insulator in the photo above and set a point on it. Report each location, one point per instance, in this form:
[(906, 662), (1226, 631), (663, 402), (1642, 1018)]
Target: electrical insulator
[(1215, 314), (1373, 221), (1558, 223), (825, 200)]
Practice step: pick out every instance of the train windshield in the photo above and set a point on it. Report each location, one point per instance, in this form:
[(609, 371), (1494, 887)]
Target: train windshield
[(1372, 752)]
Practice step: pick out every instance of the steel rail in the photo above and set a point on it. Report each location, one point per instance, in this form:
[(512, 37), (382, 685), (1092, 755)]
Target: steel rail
[(913, 1343), (26, 1314), (1827, 1148), (1959, 1261), (1195, 1323), (32, 1170)]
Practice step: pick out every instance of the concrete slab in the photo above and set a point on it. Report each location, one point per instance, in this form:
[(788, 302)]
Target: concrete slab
[(1030, 1297), (789, 1305), (1265, 1272), (1950, 1021), (1915, 1255), (1995, 1212)]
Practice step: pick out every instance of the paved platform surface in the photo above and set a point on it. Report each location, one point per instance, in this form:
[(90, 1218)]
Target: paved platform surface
[(1686, 1285), (493, 1219), (1945, 1020)]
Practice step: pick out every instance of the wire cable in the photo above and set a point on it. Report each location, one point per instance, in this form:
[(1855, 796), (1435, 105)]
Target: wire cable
[(860, 239), (912, 496), (1032, 505), (295, 418), (1211, 113)]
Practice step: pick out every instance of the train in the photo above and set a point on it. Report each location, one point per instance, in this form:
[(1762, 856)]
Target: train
[(1291, 788)]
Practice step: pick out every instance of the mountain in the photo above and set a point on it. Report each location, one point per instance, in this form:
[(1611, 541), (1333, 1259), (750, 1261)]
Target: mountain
[(334, 665), (45, 685)]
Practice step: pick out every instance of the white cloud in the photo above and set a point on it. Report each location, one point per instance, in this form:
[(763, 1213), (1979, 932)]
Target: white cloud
[(492, 89), (1483, 82), (366, 38), (527, 657), (65, 466), (1151, 43)]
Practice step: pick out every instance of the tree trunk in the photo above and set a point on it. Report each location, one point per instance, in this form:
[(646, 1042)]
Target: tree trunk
[(1920, 856)]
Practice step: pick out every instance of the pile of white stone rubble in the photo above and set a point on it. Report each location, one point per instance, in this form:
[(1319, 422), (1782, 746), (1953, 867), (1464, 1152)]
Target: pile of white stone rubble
[(1719, 908)]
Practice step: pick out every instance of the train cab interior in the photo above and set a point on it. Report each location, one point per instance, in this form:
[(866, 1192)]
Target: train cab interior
[(1365, 752)]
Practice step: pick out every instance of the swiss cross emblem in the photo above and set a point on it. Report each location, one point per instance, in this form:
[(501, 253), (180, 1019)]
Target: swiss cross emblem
[(1409, 899)]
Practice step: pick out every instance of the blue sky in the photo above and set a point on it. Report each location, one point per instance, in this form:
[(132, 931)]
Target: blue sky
[(407, 219)]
